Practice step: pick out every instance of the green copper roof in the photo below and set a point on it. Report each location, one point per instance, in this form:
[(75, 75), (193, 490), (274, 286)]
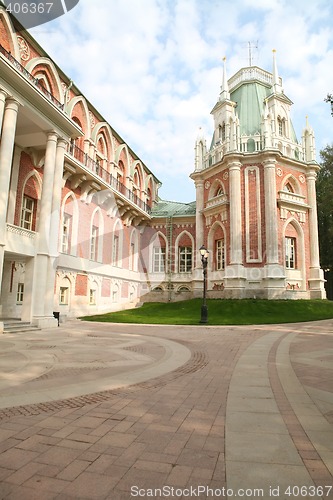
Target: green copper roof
[(173, 209), (250, 106)]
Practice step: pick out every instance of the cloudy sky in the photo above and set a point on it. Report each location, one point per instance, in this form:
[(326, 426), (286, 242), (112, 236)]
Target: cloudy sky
[(153, 68)]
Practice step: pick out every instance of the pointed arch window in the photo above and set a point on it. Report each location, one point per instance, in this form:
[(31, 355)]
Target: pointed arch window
[(219, 254), (185, 259), (288, 188), (94, 243), (66, 233), (27, 212), (219, 191), (281, 126), (290, 252)]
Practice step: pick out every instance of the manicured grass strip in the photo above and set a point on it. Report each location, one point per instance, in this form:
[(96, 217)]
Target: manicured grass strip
[(222, 312)]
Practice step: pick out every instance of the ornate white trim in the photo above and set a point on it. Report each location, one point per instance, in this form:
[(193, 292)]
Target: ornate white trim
[(21, 231), (24, 48)]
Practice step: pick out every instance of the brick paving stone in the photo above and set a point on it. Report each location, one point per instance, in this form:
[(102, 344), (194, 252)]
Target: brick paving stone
[(117, 439), (191, 459), (179, 475), (153, 466), (42, 483), (73, 470), (101, 463), (15, 458), (131, 454), (24, 473), (58, 456), (25, 493), (74, 444), (91, 486)]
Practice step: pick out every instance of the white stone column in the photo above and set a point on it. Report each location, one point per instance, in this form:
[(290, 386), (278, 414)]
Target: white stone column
[(316, 279), (55, 224), (6, 157), (274, 281), (235, 213), (56, 197), (272, 249), (199, 219), (234, 273), (3, 96), (42, 294), (313, 223), (12, 195)]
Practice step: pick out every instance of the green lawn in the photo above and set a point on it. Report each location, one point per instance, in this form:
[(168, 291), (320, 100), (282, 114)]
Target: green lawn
[(222, 312)]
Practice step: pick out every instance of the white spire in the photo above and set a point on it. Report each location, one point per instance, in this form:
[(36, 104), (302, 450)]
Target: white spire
[(276, 80), (224, 94)]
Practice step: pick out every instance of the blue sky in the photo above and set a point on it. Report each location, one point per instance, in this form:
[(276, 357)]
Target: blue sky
[(153, 68)]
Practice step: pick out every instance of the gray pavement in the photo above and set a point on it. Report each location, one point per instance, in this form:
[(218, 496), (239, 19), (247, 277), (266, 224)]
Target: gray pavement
[(106, 411)]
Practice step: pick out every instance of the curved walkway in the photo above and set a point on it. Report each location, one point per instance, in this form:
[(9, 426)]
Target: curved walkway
[(122, 411)]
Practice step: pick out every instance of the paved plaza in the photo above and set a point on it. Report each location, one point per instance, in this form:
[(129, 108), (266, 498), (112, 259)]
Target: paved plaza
[(106, 411)]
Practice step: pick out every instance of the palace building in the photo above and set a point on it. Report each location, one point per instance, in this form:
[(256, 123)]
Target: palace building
[(82, 228)]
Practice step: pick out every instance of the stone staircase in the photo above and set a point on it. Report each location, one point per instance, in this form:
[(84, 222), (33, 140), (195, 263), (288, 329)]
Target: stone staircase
[(17, 326)]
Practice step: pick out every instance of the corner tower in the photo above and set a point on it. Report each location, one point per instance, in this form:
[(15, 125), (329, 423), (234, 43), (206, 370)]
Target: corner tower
[(256, 193)]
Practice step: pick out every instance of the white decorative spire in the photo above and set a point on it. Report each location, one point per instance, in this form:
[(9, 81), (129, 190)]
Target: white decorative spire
[(200, 150), (308, 142), (276, 80), (224, 94)]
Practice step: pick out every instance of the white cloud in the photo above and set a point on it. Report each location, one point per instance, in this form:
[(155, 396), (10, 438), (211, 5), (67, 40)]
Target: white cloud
[(153, 68)]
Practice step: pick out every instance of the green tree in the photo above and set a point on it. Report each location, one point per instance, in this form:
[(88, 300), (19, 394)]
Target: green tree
[(325, 208), (329, 99)]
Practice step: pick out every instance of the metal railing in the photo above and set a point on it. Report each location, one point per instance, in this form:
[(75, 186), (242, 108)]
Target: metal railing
[(106, 176), (31, 78)]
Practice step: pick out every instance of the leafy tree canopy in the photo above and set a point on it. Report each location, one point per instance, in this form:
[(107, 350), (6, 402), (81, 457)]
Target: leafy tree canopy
[(329, 99), (325, 207)]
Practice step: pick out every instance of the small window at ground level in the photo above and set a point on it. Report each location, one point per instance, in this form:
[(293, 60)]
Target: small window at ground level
[(20, 293), (63, 295), (92, 297)]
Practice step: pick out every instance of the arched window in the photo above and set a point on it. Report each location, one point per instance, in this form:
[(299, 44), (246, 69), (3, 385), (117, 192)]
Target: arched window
[(219, 191), (281, 126), (288, 187), (28, 214), (219, 254), (159, 255), (117, 244)]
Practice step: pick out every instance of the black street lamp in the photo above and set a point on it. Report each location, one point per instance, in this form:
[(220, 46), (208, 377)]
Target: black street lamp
[(204, 259)]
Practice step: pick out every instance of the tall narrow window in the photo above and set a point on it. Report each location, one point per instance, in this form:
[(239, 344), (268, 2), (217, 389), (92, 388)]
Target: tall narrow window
[(290, 249), (92, 296), (66, 230), (115, 250), (94, 243), (63, 295), (132, 257), (219, 255), (223, 132), (185, 259), (281, 126), (27, 212), (158, 260), (20, 293)]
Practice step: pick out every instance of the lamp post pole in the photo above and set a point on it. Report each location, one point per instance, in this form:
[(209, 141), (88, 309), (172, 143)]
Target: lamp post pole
[(204, 259)]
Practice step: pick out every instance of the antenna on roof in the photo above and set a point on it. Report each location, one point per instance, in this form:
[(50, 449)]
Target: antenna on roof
[(251, 46)]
